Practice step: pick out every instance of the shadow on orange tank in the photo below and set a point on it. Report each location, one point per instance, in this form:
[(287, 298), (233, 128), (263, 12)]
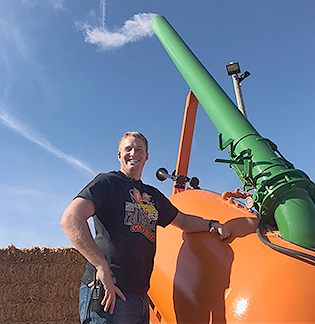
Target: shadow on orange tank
[(203, 274)]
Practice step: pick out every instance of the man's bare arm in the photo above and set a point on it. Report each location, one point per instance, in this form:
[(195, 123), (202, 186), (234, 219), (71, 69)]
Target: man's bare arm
[(195, 224), (74, 224)]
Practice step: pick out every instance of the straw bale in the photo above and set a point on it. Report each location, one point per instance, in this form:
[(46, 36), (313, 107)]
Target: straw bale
[(40, 285)]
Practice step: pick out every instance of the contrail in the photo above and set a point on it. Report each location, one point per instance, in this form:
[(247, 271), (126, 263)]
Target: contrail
[(134, 29), (36, 138), (103, 12)]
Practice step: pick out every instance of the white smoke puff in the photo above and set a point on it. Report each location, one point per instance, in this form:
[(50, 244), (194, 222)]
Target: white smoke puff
[(133, 30)]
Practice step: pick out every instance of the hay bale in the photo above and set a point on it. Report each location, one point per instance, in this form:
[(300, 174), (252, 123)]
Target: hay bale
[(40, 285)]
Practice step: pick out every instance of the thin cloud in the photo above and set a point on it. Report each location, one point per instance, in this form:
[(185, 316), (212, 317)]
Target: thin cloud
[(133, 30), (38, 139), (57, 5), (37, 216), (103, 12), (18, 54)]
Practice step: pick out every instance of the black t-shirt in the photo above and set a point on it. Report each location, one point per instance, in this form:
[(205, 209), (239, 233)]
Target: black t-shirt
[(126, 214)]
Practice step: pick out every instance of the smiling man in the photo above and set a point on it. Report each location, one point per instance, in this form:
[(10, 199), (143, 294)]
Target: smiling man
[(132, 154), (120, 257)]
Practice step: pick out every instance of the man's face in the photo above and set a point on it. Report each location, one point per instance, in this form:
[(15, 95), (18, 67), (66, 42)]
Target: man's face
[(132, 156)]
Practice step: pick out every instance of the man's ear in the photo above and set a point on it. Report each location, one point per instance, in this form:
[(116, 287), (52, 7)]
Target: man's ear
[(147, 156), (118, 154)]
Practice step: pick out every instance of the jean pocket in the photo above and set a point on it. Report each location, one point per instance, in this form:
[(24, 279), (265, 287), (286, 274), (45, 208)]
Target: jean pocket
[(84, 300)]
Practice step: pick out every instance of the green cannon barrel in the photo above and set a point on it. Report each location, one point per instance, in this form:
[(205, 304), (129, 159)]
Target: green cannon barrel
[(282, 195)]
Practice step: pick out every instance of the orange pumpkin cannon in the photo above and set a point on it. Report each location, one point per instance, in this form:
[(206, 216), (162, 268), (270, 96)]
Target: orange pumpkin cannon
[(265, 272)]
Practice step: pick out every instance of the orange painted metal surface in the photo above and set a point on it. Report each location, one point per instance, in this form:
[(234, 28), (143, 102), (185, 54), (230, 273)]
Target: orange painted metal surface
[(199, 279), (186, 137)]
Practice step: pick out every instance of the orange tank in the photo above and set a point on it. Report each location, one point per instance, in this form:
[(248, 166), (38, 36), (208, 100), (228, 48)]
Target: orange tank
[(198, 278)]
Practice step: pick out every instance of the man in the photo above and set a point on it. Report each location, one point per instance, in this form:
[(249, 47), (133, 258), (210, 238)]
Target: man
[(126, 215)]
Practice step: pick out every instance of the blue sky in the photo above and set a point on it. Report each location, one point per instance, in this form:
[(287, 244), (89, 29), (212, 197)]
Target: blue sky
[(75, 75)]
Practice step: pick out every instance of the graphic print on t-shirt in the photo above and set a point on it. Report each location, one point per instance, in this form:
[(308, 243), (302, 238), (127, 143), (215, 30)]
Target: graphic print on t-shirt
[(141, 214)]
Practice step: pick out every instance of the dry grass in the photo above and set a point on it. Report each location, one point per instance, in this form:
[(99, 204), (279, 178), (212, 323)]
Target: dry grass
[(40, 285)]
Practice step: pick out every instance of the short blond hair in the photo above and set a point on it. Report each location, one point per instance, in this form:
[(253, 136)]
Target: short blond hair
[(136, 135)]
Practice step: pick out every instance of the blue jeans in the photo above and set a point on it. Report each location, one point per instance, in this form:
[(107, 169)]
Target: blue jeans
[(134, 310)]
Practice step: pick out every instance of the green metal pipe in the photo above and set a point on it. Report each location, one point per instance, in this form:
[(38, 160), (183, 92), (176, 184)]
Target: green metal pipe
[(252, 157)]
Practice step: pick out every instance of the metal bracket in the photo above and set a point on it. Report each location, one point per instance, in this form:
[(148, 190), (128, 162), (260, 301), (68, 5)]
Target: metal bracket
[(222, 145)]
